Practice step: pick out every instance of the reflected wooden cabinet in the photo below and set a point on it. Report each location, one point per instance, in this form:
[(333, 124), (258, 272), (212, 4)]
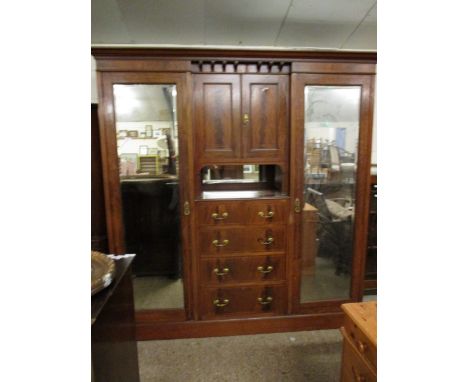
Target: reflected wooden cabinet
[(267, 155), (240, 117)]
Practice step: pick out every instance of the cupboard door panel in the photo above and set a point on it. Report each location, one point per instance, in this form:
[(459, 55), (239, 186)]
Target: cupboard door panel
[(217, 116), (265, 116), (233, 270)]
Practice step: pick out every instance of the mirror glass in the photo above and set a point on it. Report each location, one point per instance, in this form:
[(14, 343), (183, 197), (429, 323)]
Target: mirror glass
[(230, 174), (148, 151), (331, 133)]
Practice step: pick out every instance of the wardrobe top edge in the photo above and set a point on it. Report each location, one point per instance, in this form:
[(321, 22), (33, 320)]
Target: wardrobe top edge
[(198, 54)]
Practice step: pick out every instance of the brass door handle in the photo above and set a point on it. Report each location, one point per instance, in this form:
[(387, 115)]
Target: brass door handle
[(268, 241), (262, 269), (217, 216), (265, 301), (216, 243), (267, 215), (358, 377), (362, 346), (219, 272), (220, 303), (245, 118)]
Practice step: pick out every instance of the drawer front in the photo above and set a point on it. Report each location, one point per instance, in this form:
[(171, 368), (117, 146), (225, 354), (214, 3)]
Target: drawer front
[(234, 270), (354, 368), (266, 212), (242, 301), (220, 213), (225, 213), (360, 342), (216, 242)]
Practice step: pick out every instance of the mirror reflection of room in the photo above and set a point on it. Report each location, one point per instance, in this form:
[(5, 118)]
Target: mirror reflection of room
[(330, 162), (242, 181), (147, 147)]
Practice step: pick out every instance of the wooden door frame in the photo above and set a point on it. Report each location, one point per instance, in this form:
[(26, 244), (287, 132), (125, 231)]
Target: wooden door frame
[(112, 192), (366, 83)]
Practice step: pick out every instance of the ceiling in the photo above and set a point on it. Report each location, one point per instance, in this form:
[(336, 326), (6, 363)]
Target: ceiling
[(300, 24)]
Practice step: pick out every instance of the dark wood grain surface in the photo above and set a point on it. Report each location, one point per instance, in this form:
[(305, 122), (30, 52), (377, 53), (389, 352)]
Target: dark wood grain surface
[(211, 132), (113, 346)]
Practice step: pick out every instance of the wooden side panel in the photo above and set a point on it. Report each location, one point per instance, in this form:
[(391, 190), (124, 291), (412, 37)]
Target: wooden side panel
[(217, 116), (265, 116)]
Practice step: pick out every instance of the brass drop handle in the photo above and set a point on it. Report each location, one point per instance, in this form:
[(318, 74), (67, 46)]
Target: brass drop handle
[(358, 377), (267, 215), (245, 118), (362, 346), (268, 241), (262, 269), (265, 301), (220, 303), (219, 272), (217, 216), (216, 243)]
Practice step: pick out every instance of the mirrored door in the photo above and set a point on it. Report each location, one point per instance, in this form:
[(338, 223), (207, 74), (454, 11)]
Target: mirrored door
[(146, 164), (330, 147), (148, 152)]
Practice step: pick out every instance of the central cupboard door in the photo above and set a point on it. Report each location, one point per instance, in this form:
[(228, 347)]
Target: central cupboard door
[(240, 117)]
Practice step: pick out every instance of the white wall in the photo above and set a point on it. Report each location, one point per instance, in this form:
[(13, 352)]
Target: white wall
[(94, 93)]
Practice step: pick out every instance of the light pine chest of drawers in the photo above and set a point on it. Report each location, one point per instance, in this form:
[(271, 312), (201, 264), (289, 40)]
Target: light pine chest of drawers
[(359, 363)]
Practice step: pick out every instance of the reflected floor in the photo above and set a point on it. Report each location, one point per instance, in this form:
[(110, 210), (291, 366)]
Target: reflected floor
[(323, 283), (153, 292)]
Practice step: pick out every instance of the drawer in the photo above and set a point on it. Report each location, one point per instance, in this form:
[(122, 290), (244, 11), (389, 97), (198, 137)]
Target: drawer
[(354, 368), (220, 213), (266, 211), (360, 342), (242, 301), (218, 241), (225, 213), (234, 270)]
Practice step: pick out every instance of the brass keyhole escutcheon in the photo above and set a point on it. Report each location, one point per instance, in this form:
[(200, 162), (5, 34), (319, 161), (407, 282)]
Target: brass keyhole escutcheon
[(297, 205), (186, 208), (245, 118)]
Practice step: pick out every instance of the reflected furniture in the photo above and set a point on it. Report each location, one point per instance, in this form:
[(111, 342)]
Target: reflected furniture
[(370, 276), (359, 360), (246, 234), (98, 211), (113, 345)]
